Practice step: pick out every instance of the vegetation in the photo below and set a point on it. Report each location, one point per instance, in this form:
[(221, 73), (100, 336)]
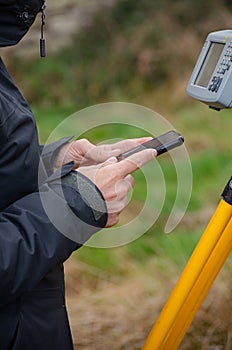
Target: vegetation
[(134, 51)]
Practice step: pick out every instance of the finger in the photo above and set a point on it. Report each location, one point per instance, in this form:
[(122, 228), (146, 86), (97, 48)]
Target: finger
[(109, 161), (134, 162), (117, 206), (136, 141), (143, 139), (76, 151), (126, 145), (104, 152), (124, 186), (91, 171), (82, 146), (129, 178), (118, 199), (101, 153), (112, 220)]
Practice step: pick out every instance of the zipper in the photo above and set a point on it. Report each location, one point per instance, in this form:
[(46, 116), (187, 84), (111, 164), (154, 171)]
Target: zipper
[(42, 39)]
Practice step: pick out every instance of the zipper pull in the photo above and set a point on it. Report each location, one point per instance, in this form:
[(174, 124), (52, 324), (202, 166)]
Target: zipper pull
[(42, 39)]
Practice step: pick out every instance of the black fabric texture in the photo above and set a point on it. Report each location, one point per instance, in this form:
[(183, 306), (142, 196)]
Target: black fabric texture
[(39, 230)]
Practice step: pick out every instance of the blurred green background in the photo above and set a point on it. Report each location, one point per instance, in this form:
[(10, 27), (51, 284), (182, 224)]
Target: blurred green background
[(141, 52)]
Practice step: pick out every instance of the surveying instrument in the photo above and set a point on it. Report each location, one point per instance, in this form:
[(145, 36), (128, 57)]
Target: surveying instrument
[(211, 83)]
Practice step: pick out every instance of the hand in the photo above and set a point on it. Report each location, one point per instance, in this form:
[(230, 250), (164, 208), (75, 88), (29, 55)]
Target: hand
[(114, 180), (84, 153)]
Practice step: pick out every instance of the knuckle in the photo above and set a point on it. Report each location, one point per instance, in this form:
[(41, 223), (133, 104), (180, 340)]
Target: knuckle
[(83, 142)]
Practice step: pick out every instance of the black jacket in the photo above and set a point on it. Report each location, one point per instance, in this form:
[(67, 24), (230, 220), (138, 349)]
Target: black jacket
[(37, 232)]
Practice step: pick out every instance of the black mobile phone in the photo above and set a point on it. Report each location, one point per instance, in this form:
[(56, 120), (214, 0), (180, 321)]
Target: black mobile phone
[(161, 144)]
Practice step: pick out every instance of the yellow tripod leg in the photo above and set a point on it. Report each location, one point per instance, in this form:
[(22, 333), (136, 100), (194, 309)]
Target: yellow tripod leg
[(200, 289), (167, 331)]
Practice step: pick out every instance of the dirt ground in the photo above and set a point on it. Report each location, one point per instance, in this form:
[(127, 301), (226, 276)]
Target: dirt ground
[(110, 313), (117, 313)]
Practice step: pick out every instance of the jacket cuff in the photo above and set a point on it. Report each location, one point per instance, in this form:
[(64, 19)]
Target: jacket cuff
[(49, 153), (96, 210)]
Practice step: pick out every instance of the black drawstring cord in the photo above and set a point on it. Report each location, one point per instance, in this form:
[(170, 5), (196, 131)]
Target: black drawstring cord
[(42, 40)]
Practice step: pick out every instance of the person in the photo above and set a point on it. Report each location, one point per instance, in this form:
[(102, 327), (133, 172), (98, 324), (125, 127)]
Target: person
[(40, 186)]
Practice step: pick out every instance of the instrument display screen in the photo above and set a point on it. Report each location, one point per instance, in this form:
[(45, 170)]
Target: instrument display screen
[(209, 64)]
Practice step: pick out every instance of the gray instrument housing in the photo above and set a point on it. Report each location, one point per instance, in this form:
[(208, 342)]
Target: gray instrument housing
[(211, 80)]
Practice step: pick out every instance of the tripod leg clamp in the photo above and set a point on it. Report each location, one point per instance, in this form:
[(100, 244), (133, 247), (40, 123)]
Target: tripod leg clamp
[(227, 193)]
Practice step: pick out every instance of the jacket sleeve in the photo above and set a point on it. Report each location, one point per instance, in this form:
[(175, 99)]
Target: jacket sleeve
[(38, 232), (49, 152), (39, 228)]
